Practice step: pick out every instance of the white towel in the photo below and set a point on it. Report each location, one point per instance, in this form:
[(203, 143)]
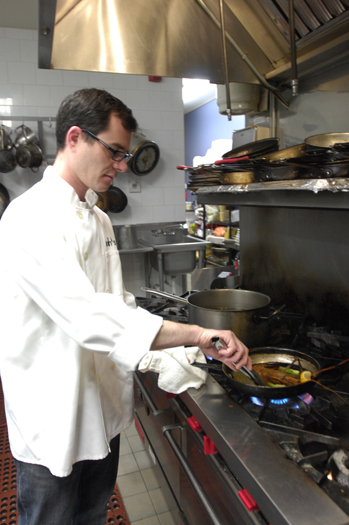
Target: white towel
[(175, 372)]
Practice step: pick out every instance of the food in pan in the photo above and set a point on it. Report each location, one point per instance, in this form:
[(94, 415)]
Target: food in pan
[(278, 376)]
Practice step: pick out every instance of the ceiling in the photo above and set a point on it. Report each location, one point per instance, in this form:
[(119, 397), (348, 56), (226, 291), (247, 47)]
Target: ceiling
[(23, 14)]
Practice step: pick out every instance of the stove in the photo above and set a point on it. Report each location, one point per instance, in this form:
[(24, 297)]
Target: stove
[(291, 455)]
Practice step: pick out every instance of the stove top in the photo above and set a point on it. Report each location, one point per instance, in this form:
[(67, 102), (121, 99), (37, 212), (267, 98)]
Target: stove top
[(312, 429)]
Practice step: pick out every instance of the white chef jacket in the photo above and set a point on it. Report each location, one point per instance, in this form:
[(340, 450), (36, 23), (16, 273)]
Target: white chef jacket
[(70, 334)]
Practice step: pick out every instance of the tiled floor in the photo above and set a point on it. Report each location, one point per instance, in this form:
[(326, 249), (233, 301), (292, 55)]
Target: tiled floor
[(140, 491)]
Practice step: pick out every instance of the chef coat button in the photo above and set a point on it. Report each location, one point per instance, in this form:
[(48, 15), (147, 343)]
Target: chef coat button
[(80, 215), (107, 291), (85, 256)]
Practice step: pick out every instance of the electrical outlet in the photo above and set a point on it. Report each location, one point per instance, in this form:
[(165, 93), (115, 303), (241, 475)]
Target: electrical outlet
[(134, 186)]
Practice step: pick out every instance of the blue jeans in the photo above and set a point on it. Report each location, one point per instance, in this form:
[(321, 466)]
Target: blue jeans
[(78, 499)]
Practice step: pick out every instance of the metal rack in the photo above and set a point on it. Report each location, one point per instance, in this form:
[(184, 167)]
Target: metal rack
[(39, 120)]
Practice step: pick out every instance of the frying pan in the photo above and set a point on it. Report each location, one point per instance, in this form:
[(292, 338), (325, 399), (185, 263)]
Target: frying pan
[(237, 177), (328, 140), (263, 355), (254, 148)]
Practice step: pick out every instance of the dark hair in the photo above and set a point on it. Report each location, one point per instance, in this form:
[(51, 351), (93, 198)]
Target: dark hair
[(91, 109)]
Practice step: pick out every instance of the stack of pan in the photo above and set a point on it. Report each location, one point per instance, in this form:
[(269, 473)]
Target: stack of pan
[(318, 157), (234, 168)]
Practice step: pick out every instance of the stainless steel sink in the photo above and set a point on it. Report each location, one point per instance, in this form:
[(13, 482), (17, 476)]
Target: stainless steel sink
[(174, 251)]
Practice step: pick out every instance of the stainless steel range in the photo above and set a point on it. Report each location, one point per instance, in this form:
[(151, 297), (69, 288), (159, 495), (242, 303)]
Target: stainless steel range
[(232, 459)]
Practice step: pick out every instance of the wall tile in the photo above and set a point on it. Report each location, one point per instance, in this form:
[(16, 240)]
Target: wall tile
[(49, 77), (36, 95), (3, 74), (163, 213), (28, 51), (58, 93), (9, 49), (137, 99), (174, 195), (160, 100), (172, 120), (122, 81), (153, 196), (76, 79), (21, 73), (150, 119), (24, 34), (100, 80), (11, 94)]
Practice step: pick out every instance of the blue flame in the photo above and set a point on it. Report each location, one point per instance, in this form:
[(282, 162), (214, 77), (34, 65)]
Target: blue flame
[(284, 401)]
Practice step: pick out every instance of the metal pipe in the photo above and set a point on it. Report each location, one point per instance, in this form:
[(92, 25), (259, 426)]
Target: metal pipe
[(244, 57), (292, 32), (201, 494), (225, 59)]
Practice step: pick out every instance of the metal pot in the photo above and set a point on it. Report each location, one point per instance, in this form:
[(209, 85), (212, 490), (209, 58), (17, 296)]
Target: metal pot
[(27, 136), (29, 156), (4, 199), (7, 158), (244, 312)]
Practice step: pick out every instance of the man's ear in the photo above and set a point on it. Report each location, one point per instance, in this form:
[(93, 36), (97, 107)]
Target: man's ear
[(74, 135)]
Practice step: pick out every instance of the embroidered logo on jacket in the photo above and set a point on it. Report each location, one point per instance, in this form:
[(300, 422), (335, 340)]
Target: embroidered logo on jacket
[(110, 242)]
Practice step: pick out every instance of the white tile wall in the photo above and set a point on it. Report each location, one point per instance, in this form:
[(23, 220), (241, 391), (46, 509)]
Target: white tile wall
[(28, 91)]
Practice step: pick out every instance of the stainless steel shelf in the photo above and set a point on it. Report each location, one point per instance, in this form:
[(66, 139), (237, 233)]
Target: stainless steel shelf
[(324, 193)]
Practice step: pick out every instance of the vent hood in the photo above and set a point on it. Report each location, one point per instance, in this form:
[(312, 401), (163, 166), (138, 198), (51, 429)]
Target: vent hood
[(183, 38)]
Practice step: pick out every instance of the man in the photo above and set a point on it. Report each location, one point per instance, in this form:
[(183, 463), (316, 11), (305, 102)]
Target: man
[(71, 334)]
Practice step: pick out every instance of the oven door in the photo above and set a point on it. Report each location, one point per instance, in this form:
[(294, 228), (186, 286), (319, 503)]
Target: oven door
[(200, 487)]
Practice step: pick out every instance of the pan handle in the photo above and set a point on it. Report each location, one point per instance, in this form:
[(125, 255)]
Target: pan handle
[(166, 295), (257, 318)]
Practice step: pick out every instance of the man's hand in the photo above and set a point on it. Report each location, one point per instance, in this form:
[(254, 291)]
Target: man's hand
[(234, 354), (177, 334)]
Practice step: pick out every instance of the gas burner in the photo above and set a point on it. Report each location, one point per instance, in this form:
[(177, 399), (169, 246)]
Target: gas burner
[(338, 463), (293, 402)]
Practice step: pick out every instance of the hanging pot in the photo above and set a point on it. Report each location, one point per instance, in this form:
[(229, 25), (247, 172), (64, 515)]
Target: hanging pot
[(6, 137), (103, 201), (4, 199), (113, 200), (117, 200), (7, 158), (25, 136), (29, 156)]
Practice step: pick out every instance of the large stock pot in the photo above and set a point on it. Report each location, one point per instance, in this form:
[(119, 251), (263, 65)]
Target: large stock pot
[(244, 312)]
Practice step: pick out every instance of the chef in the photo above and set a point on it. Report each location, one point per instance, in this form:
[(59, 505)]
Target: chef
[(71, 335)]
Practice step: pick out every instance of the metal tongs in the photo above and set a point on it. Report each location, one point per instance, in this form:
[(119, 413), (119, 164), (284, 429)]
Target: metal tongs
[(251, 374)]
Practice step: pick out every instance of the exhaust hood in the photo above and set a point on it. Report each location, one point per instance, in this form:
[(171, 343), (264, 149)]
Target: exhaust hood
[(183, 38)]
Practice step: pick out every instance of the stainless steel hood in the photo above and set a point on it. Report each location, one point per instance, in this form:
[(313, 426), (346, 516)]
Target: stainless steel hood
[(182, 38)]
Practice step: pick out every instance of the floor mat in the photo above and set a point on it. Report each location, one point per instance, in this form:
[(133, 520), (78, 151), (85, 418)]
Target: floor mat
[(8, 488)]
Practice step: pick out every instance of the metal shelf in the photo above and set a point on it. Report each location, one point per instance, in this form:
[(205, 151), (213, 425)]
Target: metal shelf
[(320, 193)]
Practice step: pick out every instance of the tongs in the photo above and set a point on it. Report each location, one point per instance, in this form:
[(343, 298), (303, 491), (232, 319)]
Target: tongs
[(251, 374)]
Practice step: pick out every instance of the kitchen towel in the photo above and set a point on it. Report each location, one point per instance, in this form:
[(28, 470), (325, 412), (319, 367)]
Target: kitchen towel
[(174, 368)]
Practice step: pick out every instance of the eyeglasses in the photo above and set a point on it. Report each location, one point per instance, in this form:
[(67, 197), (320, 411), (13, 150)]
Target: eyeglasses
[(117, 155)]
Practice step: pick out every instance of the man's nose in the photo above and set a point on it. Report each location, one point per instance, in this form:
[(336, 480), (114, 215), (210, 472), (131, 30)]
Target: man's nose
[(121, 165)]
